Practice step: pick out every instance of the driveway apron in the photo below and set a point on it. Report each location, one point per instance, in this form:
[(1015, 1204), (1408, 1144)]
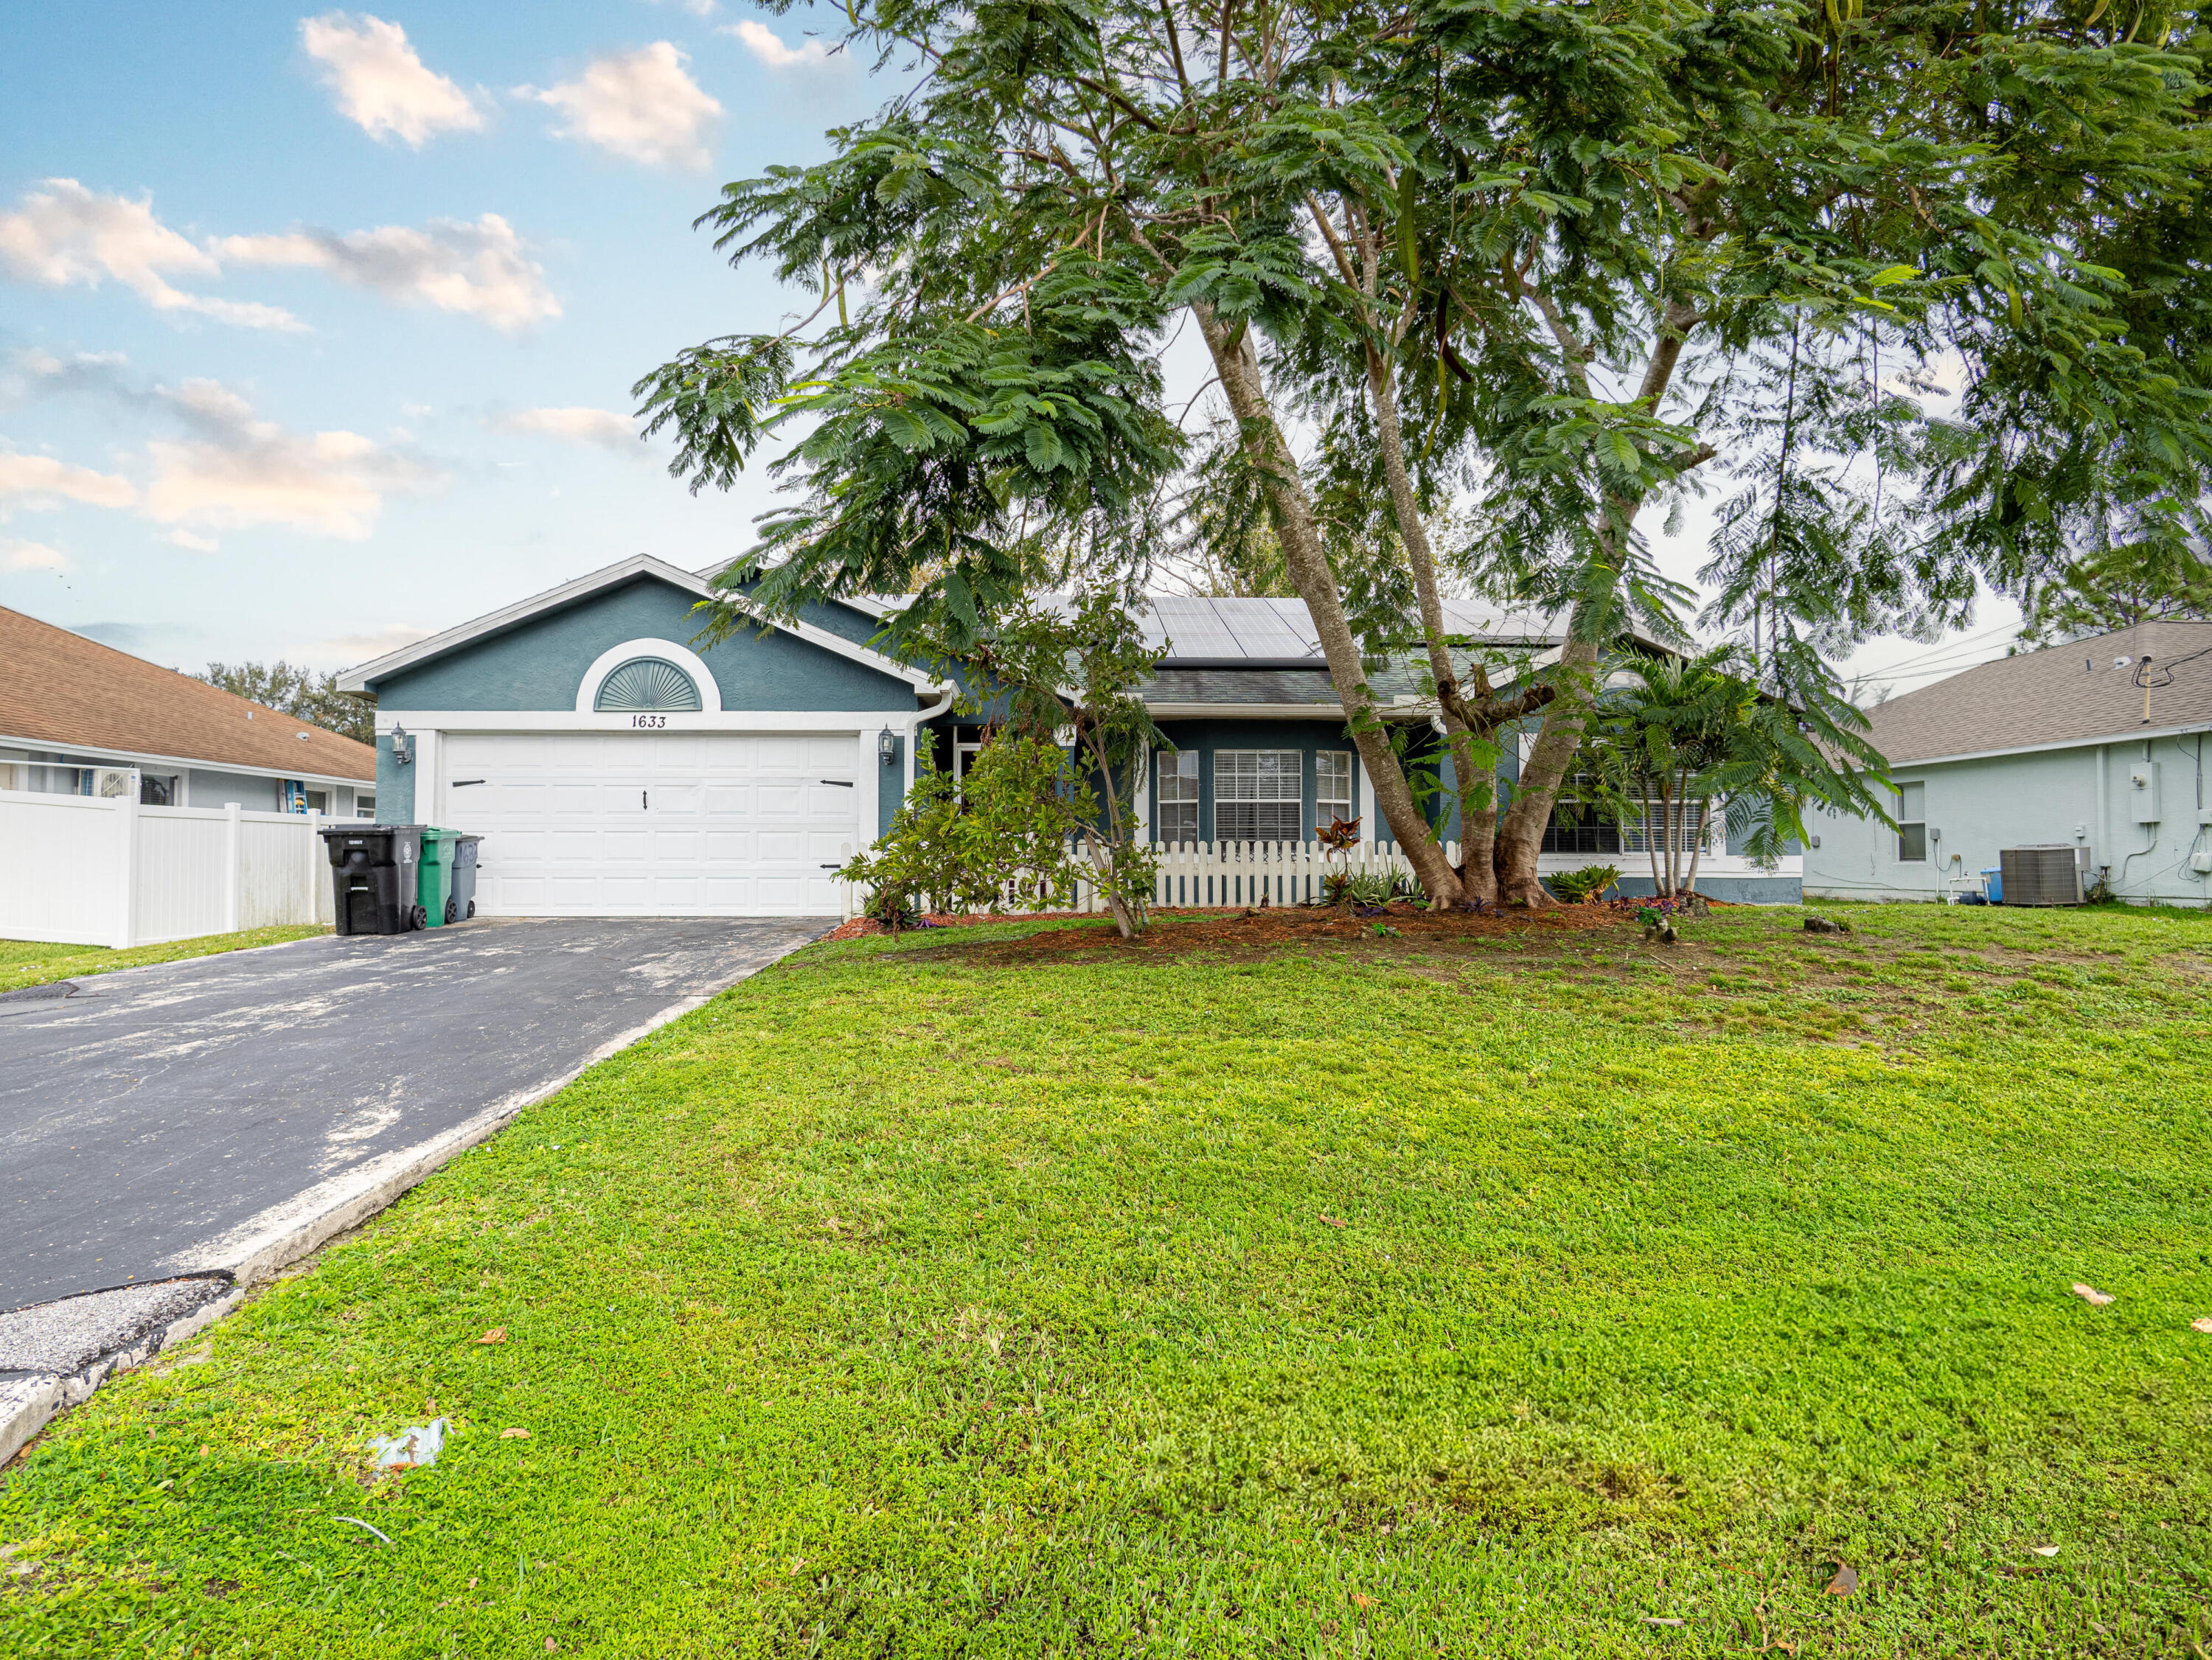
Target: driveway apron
[(158, 1111)]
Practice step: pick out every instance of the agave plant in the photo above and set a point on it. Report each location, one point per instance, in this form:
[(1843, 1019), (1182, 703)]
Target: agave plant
[(1577, 887)]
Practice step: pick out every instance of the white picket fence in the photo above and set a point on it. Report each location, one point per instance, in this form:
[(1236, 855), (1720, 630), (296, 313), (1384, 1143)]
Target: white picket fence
[(1227, 874), (88, 870), (1204, 874)]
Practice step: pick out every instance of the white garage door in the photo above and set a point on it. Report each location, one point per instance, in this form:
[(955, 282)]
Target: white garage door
[(653, 824)]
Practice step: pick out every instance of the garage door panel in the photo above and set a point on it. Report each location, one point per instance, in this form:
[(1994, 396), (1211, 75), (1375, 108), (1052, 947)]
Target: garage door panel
[(779, 798), (573, 800), (504, 798), (680, 755), (778, 847), (597, 752), (642, 823), (780, 755)]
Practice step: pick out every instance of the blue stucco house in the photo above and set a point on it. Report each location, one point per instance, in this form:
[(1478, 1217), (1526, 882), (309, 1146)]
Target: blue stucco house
[(2096, 745), (616, 768)]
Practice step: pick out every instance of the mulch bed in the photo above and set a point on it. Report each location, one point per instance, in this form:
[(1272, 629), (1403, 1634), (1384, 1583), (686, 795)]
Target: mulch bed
[(1272, 925)]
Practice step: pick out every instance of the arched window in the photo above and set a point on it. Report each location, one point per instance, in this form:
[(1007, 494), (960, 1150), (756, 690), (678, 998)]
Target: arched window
[(647, 685)]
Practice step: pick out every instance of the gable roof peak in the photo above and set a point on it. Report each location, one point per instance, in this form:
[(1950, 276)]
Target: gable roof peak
[(360, 677)]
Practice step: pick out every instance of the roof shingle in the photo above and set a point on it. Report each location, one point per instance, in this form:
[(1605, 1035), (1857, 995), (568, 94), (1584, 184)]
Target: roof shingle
[(2064, 694), (61, 689)]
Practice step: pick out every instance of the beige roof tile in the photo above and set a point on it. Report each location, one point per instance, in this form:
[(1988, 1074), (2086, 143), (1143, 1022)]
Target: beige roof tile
[(2065, 695), (62, 690)]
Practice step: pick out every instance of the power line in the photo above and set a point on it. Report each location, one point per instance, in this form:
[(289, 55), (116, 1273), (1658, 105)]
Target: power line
[(1945, 649)]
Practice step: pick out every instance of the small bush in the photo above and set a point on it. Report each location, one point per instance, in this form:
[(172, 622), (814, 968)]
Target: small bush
[(1579, 887)]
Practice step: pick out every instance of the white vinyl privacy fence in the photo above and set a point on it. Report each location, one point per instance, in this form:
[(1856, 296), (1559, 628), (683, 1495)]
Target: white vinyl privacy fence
[(93, 870)]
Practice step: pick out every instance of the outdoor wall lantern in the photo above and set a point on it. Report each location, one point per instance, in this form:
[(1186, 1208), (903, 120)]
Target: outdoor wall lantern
[(403, 748), (886, 746)]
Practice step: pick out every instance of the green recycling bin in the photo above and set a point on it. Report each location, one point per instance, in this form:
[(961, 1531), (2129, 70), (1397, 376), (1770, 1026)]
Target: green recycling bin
[(434, 877)]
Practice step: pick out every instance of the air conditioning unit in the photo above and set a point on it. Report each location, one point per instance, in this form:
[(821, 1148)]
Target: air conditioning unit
[(2047, 873)]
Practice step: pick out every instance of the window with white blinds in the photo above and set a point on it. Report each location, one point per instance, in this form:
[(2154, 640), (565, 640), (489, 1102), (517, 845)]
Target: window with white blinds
[(1177, 772), (1332, 785), (1256, 795)]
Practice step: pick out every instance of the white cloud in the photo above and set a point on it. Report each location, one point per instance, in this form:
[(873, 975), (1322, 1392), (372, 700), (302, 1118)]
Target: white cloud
[(243, 471), (766, 45), (42, 480), (640, 104), (345, 650), (603, 427), (64, 234), (198, 545), (381, 85), (481, 270), (31, 556)]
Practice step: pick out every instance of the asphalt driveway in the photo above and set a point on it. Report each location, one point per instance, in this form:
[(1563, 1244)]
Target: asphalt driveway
[(163, 1120)]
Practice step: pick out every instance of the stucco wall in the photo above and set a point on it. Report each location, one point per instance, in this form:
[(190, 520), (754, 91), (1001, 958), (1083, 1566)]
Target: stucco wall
[(1206, 736), (843, 621), (395, 785), (205, 787), (539, 664), (1978, 808)]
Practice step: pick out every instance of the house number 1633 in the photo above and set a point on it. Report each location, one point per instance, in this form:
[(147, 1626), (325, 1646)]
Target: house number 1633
[(648, 720)]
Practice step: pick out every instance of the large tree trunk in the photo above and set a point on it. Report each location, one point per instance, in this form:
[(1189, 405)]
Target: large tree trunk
[(1478, 843), (1478, 808), (1521, 830), (1521, 834), (1238, 362)]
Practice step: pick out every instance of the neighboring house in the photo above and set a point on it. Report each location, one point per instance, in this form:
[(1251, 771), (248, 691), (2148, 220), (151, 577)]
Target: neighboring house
[(81, 718), (2099, 745), (615, 768)]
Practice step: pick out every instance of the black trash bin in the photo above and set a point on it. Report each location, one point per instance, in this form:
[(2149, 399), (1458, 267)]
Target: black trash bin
[(373, 877), (462, 905)]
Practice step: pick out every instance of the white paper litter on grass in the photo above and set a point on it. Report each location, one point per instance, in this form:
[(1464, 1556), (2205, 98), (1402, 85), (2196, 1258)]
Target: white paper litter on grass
[(412, 1449)]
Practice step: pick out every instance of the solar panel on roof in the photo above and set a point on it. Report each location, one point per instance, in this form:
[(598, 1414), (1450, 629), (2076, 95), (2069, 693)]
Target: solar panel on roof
[(1260, 630), (1194, 629)]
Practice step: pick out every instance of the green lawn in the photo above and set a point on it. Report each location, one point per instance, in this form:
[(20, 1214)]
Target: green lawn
[(971, 1296), (33, 962)]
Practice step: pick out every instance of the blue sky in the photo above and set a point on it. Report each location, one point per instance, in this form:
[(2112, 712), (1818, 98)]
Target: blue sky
[(317, 329)]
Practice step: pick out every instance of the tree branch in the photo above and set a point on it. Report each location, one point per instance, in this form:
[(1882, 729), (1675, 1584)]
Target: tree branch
[(1578, 352), (1175, 47), (1328, 235)]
